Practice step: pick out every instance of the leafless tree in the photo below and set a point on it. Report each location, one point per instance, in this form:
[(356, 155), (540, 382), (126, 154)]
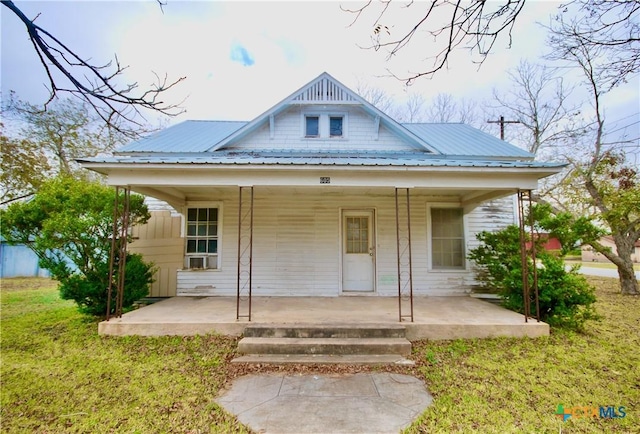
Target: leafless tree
[(447, 24), (96, 84), (537, 100), (375, 95), (603, 179), (612, 27), (438, 27)]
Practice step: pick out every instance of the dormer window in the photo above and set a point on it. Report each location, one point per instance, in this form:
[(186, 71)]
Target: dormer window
[(335, 126), (312, 126), (324, 125)]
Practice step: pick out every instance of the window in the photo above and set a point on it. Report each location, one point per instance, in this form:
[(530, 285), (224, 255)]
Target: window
[(312, 126), (202, 233), (447, 238), (324, 125), (335, 126)]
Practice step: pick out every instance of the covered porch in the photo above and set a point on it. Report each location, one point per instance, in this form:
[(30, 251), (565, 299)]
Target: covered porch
[(434, 317)]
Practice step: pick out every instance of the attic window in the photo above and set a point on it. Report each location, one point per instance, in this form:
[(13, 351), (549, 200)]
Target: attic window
[(312, 126), (335, 126)]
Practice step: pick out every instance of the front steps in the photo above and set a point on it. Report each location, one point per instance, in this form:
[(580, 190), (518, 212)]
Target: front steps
[(310, 344)]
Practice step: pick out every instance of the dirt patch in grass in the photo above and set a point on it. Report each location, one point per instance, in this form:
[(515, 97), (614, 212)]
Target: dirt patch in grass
[(27, 283)]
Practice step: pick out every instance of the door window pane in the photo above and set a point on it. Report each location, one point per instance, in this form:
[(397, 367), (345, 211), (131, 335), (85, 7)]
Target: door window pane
[(357, 234)]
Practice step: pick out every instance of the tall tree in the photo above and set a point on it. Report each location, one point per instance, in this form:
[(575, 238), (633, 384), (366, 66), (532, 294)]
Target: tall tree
[(23, 167), (98, 85), (43, 144), (610, 184), (537, 100)]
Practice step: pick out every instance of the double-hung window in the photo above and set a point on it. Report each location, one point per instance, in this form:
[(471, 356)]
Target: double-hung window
[(447, 239), (202, 236)]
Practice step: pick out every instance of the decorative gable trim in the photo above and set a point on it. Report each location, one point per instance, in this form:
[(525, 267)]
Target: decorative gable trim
[(324, 91)]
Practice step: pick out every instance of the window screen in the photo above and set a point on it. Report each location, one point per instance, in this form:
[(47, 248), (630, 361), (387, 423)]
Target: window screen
[(447, 238)]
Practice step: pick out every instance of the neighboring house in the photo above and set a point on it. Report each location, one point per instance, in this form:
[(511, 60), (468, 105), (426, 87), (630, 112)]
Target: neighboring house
[(551, 244), (590, 255), (310, 199)]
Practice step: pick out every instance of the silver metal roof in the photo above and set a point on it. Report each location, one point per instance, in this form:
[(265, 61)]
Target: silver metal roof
[(187, 136), (450, 140), (465, 140), (317, 158)]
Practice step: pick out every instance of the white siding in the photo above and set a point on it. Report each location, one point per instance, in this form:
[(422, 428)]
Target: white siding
[(296, 248), (360, 129)]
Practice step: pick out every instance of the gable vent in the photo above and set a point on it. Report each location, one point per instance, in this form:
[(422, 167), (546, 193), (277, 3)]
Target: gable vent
[(324, 90)]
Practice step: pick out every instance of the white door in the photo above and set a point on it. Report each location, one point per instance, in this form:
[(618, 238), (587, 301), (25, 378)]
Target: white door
[(358, 251)]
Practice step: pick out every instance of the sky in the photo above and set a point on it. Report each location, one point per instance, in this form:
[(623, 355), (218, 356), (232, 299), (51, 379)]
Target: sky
[(241, 58)]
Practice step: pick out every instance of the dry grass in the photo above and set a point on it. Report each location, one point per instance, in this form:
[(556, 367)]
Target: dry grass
[(58, 375)]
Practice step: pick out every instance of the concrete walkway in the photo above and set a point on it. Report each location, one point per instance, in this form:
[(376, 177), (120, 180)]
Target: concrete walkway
[(341, 403)]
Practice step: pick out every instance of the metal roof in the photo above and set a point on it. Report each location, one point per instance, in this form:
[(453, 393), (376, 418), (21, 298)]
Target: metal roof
[(319, 158), (450, 140), (187, 136), (465, 140)]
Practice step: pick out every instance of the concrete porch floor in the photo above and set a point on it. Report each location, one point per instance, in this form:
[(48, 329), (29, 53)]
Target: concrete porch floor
[(434, 317)]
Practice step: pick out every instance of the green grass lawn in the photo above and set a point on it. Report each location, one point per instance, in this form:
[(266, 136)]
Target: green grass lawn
[(58, 375)]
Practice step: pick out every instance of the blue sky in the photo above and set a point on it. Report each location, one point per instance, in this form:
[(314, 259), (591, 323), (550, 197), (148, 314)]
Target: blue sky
[(240, 58)]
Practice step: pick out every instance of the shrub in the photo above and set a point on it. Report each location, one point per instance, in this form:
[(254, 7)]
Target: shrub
[(68, 224), (90, 291), (565, 297)]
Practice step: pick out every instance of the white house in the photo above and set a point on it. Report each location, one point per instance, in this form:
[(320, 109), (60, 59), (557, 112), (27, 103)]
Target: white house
[(322, 195)]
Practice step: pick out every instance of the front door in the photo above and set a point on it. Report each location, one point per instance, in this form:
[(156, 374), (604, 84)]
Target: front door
[(358, 251)]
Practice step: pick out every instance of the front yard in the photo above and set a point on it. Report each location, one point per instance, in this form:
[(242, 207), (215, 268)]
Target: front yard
[(58, 375)]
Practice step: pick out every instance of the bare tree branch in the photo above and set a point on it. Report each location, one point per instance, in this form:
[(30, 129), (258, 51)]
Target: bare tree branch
[(95, 84), (474, 25)]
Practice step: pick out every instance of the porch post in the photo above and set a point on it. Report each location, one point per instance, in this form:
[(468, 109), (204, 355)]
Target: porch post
[(245, 252), (403, 244), (528, 255), (118, 252)]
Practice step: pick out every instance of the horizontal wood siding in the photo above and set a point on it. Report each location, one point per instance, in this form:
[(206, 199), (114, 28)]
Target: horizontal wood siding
[(296, 248), (360, 129)]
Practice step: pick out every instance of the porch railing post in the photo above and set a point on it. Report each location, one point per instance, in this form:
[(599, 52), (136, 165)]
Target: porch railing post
[(245, 253), (528, 254), (403, 246), (118, 252)]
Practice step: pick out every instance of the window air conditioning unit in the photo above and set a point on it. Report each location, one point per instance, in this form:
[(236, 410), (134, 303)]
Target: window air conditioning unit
[(197, 262)]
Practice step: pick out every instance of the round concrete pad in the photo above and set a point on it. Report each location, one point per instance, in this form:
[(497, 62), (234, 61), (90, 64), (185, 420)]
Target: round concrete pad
[(344, 403)]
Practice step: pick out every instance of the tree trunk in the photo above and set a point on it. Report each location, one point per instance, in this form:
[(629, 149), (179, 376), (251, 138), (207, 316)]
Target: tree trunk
[(628, 281)]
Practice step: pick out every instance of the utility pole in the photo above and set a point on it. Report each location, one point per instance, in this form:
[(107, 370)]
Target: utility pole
[(501, 121)]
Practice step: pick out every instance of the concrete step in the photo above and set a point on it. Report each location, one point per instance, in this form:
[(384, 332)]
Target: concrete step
[(333, 346), (324, 359), (324, 331)]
